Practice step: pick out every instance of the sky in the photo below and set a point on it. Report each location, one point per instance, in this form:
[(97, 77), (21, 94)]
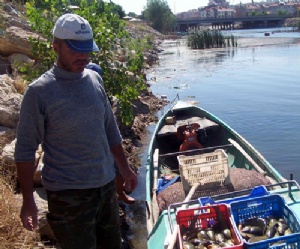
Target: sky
[(137, 6)]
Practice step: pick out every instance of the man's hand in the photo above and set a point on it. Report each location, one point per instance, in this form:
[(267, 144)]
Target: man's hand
[(29, 213), (127, 173), (130, 181), (29, 210)]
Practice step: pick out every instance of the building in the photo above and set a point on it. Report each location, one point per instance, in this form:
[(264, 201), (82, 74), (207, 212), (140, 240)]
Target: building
[(221, 9)]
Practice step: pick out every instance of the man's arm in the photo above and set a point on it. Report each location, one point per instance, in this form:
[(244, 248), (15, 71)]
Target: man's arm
[(129, 176), (29, 209)]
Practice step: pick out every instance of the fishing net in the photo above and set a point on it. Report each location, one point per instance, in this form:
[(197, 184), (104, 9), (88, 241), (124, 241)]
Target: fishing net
[(241, 179)]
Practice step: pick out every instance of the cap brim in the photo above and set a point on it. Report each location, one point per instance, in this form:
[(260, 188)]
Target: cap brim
[(85, 46)]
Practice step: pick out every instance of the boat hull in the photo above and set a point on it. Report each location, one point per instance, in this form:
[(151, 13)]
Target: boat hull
[(213, 134)]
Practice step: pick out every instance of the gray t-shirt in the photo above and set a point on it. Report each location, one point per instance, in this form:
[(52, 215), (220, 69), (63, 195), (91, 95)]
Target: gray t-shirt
[(70, 115)]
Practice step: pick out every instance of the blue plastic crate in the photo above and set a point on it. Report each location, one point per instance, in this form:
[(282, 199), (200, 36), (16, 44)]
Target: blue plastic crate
[(257, 191), (271, 205)]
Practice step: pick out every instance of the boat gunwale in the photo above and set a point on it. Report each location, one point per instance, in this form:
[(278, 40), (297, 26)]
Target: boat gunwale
[(242, 141)]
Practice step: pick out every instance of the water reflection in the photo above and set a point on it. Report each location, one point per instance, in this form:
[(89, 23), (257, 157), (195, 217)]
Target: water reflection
[(137, 223), (137, 212), (218, 57)]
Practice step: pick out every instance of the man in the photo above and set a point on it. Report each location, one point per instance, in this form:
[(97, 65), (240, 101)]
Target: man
[(68, 112)]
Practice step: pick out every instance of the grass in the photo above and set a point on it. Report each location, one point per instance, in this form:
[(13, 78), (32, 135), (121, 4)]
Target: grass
[(206, 39), (12, 233), (19, 84)]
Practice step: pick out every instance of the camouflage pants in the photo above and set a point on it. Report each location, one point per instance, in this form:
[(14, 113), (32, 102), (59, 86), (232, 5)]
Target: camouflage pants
[(85, 219)]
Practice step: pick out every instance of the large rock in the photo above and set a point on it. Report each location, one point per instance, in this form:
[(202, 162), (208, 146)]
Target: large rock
[(8, 161), (44, 228), (10, 103), (16, 40), (37, 177), (6, 136), (20, 62), (5, 67)]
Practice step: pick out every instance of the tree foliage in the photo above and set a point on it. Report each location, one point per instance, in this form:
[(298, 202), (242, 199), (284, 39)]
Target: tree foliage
[(132, 14), (110, 36), (160, 15)]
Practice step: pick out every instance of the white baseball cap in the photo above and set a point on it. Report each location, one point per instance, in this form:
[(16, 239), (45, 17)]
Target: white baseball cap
[(76, 32)]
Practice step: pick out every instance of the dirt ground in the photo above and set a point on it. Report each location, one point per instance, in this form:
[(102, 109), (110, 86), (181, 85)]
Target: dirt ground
[(134, 135)]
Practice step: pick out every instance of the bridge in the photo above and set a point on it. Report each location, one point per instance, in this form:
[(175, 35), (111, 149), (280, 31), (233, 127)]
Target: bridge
[(183, 25)]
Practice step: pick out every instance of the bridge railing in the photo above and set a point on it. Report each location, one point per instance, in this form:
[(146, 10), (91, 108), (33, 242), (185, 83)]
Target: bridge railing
[(256, 17)]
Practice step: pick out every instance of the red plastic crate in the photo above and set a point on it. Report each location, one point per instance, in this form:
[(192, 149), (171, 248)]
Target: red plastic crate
[(205, 217)]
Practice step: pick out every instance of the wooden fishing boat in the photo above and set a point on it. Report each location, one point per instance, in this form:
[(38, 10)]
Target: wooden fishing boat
[(187, 131)]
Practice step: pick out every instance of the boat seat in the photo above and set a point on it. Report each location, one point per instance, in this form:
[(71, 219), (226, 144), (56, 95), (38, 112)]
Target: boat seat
[(171, 129)]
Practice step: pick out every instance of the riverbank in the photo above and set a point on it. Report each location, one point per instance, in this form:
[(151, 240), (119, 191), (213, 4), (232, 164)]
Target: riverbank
[(134, 136)]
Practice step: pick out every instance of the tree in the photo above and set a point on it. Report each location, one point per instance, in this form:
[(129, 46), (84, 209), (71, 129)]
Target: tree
[(116, 8), (132, 14), (160, 15), (282, 12)]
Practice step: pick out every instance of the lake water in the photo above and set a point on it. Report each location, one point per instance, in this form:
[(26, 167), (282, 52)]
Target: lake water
[(254, 88)]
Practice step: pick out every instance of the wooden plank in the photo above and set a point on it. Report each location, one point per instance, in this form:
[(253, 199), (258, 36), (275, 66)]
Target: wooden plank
[(155, 207), (149, 215), (245, 154), (255, 165), (195, 150), (187, 198), (171, 129)]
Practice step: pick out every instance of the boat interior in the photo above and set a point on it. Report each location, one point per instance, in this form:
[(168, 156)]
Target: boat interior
[(189, 134), (169, 141)]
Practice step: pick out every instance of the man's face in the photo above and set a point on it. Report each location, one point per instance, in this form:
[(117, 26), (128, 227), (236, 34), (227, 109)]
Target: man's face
[(68, 59)]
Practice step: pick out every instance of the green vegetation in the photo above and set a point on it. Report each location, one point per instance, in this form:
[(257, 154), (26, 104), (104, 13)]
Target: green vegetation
[(206, 38), (294, 23), (109, 34), (282, 13), (159, 14)]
